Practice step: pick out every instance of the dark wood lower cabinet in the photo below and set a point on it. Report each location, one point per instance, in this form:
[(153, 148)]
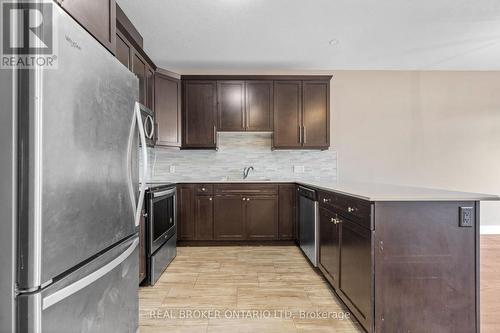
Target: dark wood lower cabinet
[(185, 212), (402, 266), (204, 217), (329, 249), (261, 217), (287, 223), (355, 283), (235, 212), (228, 217)]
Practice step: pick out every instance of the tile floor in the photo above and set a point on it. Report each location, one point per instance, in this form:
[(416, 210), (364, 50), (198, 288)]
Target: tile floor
[(241, 289)]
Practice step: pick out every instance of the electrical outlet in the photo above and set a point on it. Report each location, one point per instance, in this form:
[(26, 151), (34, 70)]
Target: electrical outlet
[(466, 217), (172, 169), (298, 169)]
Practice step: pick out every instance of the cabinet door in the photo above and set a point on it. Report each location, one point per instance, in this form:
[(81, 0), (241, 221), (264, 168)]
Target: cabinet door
[(185, 212), (287, 212), (167, 111), (259, 105), (261, 217), (123, 50), (139, 69), (316, 120), (204, 217), (329, 250), (97, 16), (199, 125), (355, 266), (287, 114), (150, 87), (231, 105), (228, 217)]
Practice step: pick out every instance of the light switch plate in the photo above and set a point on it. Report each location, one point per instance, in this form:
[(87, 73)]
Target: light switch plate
[(172, 169), (298, 169), (466, 217)]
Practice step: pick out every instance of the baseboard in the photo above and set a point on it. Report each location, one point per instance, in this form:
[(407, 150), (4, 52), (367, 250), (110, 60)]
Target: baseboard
[(489, 230)]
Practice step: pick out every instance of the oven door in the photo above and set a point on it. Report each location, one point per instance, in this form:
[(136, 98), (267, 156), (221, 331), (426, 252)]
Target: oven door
[(162, 222)]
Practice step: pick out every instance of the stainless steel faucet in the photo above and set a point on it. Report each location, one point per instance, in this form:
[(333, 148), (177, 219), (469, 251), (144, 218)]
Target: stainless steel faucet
[(246, 171)]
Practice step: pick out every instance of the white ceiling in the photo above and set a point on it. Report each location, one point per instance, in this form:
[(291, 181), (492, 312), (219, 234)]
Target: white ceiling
[(191, 35)]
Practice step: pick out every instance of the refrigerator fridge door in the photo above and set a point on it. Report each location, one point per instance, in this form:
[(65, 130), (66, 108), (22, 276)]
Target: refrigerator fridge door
[(101, 296), (78, 157)]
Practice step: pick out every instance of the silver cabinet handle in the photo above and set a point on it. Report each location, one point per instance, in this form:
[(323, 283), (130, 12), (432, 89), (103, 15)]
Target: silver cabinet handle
[(303, 134), (215, 135), (142, 136), (300, 134), (89, 279)]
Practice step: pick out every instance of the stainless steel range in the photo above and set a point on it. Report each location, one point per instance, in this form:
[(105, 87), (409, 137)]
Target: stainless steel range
[(161, 229)]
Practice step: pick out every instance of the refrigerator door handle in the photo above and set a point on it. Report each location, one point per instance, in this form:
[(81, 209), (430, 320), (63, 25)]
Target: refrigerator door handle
[(129, 164), (145, 166), (89, 279)]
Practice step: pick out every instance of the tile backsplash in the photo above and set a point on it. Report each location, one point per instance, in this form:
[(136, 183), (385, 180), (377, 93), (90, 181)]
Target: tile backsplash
[(236, 151)]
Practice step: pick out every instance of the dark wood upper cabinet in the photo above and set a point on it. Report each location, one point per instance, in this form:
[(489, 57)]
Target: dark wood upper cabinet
[(185, 212), (261, 217), (98, 17), (167, 108), (287, 223), (199, 114), (150, 87), (316, 111), (204, 217), (139, 69), (229, 217), (287, 114), (259, 105), (123, 50), (231, 105), (301, 114)]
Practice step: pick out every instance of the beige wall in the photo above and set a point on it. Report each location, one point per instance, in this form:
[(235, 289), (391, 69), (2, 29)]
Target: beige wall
[(436, 129)]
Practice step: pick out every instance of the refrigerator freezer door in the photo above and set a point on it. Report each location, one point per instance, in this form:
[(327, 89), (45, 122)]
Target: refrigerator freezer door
[(98, 297), (75, 176)]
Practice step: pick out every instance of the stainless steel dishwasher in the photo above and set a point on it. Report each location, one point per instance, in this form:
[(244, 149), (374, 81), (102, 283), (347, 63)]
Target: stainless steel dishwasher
[(309, 224)]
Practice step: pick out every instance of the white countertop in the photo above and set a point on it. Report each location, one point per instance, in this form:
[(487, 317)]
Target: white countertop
[(370, 191)]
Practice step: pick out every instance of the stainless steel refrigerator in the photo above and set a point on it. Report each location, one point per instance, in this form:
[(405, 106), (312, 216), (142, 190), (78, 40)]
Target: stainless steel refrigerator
[(69, 191)]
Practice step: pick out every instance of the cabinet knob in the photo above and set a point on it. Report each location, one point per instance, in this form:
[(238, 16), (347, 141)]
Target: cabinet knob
[(248, 199), (209, 199), (326, 200), (351, 209), (203, 189)]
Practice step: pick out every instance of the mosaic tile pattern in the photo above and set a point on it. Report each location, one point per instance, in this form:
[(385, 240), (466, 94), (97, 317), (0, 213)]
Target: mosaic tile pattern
[(236, 151)]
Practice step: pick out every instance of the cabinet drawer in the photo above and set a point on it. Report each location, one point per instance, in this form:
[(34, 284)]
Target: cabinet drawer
[(246, 189), (204, 189), (356, 209)]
